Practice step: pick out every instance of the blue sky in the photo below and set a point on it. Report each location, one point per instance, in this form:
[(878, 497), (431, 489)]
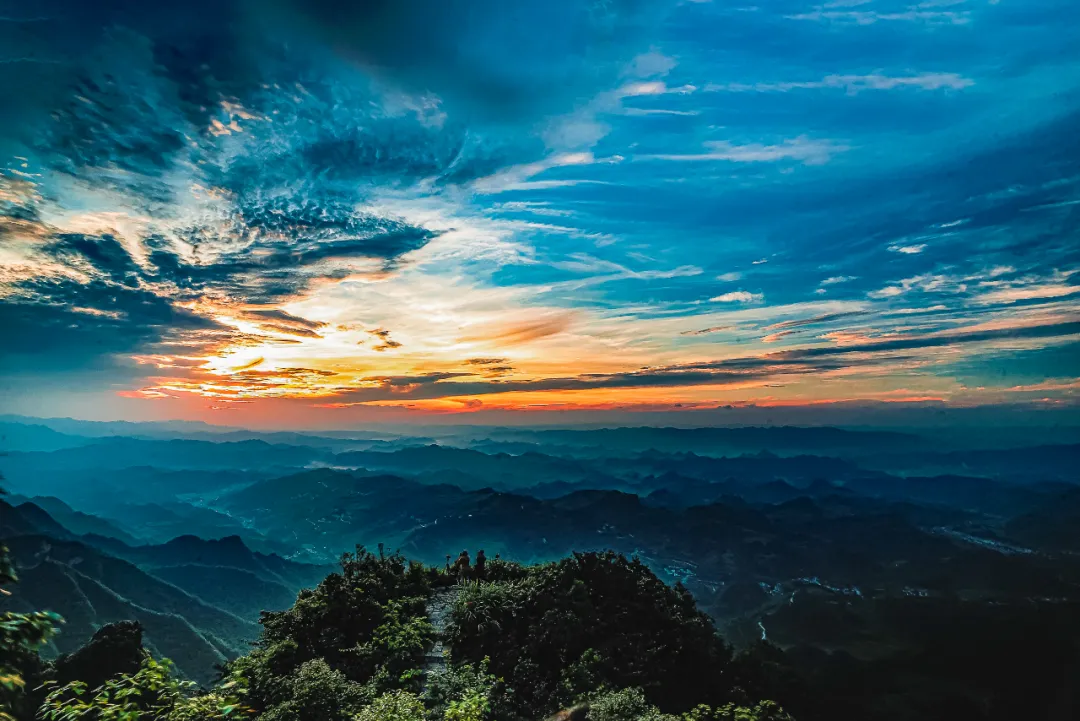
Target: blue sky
[(334, 211)]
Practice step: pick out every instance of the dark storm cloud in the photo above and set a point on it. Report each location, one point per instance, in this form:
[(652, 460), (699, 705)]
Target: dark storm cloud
[(70, 324), (284, 253), (104, 253)]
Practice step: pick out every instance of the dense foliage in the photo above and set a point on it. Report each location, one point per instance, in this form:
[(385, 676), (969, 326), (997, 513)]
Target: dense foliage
[(558, 631), (153, 692), (594, 628), (361, 633), (631, 705)]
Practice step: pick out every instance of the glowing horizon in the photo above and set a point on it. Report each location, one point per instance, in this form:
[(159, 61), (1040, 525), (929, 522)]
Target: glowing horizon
[(626, 207)]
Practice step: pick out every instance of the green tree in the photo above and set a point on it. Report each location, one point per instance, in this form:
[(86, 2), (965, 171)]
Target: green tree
[(317, 692), (563, 629), (361, 633)]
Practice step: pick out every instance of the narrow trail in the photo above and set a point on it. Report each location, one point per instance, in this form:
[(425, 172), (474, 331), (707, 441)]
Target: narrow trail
[(438, 610)]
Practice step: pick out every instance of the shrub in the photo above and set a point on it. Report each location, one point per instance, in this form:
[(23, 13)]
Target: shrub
[(154, 693), (393, 706), (594, 619)]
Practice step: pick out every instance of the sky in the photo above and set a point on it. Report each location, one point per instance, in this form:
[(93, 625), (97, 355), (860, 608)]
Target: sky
[(326, 213)]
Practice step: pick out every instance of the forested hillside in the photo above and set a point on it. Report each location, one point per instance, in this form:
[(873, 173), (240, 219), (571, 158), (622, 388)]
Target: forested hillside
[(593, 635)]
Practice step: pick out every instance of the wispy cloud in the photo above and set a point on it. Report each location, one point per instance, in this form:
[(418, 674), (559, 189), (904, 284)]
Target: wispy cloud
[(651, 64), (801, 149), (815, 320), (707, 331), (1030, 292), (852, 84), (926, 283), (653, 87), (774, 337), (914, 14), (908, 249)]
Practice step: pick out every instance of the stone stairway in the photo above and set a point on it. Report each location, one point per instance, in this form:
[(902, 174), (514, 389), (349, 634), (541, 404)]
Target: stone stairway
[(438, 610)]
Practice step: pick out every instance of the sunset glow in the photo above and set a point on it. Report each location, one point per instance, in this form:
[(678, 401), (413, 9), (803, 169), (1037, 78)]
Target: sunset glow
[(646, 211)]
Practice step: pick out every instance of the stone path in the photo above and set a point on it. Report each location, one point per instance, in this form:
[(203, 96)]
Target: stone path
[(438, 610)]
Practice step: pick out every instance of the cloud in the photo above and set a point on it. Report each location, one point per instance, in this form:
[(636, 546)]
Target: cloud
[(854, 84), (908, 249), (869, 17), (801, 149), (738, 296), (385, 341), (706, 331), (796, 362), (515, 333), (653, 87), (282, 322), (518, 177), (816, 320), (651, 64), (1034, 292), (773, 337), (209, 185), (926, 283), (64, 325)]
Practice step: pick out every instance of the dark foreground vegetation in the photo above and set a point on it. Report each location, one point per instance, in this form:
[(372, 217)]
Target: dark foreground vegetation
[(592, 636)]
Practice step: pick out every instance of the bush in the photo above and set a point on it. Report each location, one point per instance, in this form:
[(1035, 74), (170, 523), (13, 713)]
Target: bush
[(154, 693), (588, 621), (463, 691), (316, 692), (362, 632), (393, 706)]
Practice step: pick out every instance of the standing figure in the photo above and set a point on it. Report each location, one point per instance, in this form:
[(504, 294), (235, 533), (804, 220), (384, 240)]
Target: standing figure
[(481, 559), (448, 564), (462, 566)]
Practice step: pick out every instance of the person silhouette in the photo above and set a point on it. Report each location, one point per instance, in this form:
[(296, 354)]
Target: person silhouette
[(462, 565), (481, 561)]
